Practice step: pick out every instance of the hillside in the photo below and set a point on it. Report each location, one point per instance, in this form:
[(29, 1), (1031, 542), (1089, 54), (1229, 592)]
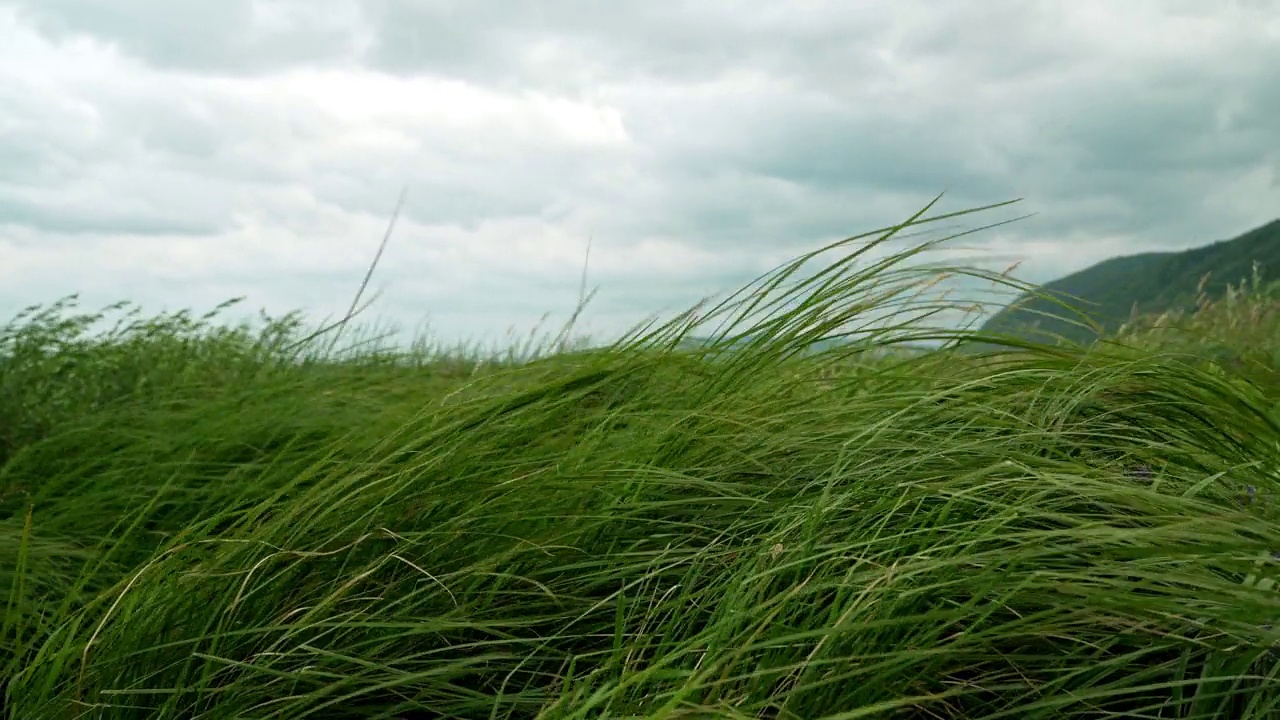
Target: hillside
[(1111, 291)]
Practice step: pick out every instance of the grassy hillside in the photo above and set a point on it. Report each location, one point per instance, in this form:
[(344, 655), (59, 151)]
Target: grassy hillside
[(1114, 290), (208, 522)]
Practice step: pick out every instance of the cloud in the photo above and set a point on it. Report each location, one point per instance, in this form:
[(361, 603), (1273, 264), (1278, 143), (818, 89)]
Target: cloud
[(210, 36), (178, 155)]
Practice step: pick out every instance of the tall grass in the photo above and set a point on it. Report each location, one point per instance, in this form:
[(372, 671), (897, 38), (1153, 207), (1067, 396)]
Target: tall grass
[(196, 524)]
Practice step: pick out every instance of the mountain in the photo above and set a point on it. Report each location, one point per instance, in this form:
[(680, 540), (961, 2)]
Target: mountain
[(1111, 291)]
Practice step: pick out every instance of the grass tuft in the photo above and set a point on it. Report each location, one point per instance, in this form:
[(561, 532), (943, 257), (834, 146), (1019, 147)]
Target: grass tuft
[(203, 520)]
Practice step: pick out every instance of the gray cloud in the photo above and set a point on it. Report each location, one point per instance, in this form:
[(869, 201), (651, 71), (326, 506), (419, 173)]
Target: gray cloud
[(226, 36), (174, 153), (577, 43)]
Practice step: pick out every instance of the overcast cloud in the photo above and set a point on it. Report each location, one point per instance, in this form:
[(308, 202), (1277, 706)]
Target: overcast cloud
[(178, 154)]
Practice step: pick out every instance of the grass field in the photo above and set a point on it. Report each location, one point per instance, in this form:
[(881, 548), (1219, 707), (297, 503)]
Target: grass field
[(200, 520)]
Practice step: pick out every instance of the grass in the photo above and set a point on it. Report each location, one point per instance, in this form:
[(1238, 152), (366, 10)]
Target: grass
[(208, 521)]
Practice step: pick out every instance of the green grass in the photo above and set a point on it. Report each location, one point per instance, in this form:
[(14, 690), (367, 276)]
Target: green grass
[(210, 521)]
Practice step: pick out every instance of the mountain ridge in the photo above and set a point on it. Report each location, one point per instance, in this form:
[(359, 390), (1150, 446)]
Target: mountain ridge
[(1113, 290)]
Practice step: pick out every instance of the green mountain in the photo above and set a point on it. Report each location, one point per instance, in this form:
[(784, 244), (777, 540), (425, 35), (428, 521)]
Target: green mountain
[(1111, 291)]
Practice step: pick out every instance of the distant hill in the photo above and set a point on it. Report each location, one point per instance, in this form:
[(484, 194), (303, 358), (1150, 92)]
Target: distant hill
[(1111, 291)]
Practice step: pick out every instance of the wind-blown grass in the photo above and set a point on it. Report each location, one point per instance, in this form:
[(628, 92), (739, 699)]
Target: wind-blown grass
[(196, 524)]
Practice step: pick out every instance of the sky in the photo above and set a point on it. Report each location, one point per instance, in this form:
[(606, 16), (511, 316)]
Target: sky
[(178, 154)]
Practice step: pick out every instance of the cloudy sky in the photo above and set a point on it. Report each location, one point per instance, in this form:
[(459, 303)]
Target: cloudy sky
[(181, 153)]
